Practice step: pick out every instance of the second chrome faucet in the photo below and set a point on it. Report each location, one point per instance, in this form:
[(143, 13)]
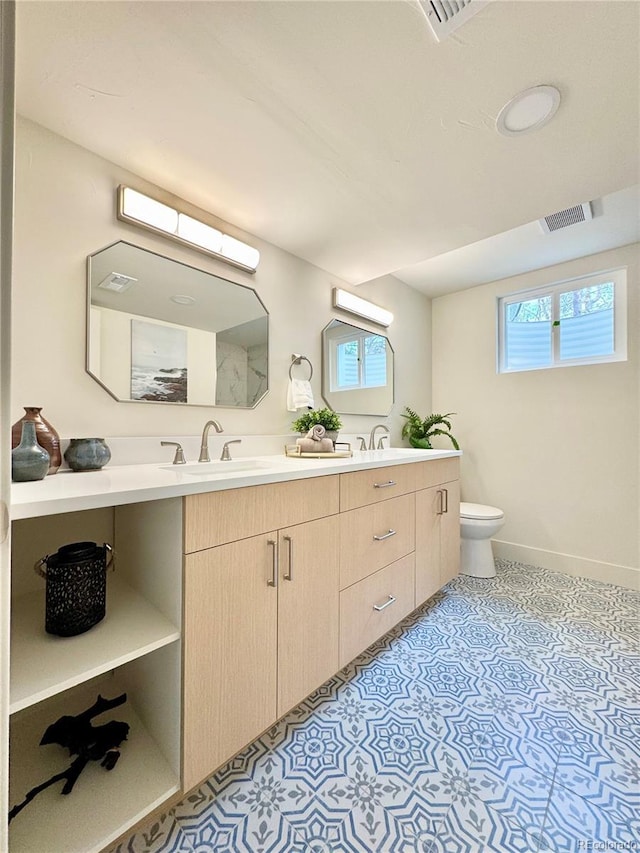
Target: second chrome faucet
[(372, 437)]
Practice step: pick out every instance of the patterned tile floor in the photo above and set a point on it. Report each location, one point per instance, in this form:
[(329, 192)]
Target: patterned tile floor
[(502, 716)]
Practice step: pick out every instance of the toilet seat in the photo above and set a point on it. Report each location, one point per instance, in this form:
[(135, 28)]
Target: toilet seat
[(480, 512)]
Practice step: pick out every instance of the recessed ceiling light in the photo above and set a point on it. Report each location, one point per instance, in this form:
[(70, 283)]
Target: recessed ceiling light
[(528, 110), (179, 299)]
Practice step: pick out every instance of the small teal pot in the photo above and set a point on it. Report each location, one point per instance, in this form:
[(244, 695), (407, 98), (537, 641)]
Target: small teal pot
[(29, 461), (87, 454)]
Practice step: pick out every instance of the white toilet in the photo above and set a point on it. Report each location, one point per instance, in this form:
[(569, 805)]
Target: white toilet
[(478, 523)]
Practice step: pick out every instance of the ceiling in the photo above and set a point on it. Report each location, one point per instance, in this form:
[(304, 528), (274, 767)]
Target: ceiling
[(344, 132), (218, 305)]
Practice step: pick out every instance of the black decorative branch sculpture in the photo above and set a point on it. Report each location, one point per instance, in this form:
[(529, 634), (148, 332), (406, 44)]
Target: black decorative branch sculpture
[(86, 741)]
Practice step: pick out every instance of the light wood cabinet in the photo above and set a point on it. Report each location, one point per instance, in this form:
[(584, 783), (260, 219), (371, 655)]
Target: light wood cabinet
[(230, 651), (428, 503), (450, 533), (437, 537), (437, 471), (308, 609), (227, 609), (374, 536), (261, 633), (214, 518), (372, 607), (361, 488), (381, 577)]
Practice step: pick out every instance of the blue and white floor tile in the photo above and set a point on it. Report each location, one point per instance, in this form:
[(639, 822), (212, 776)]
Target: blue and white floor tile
[(502, 717)]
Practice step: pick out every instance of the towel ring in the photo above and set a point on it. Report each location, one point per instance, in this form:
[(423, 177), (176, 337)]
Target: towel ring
[(298, 359)]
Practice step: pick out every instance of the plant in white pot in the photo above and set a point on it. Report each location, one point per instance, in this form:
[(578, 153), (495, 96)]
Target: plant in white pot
[(420, 431), (325, 417)]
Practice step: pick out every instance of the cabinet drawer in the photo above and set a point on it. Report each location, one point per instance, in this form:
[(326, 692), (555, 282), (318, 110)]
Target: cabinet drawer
[(361, 488), (374, 536), (437, 471), (215, 518), (391, 590)]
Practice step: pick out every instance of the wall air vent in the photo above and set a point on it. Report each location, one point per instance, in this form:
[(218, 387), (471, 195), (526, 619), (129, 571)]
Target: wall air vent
[(445, 16), (564, 218)]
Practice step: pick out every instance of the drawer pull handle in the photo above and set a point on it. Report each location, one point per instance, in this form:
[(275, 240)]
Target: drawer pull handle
[(440, 510), (446, 500), (289, 577), (384, 485), (388, 603), (384, 536), (274, 563)]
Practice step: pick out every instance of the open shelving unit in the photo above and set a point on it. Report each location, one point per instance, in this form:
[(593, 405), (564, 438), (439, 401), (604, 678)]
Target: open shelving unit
[(43, 665), (102, 805), (135, 649)]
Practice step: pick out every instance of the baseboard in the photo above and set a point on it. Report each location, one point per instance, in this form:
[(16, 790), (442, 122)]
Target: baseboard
[(569, 564)]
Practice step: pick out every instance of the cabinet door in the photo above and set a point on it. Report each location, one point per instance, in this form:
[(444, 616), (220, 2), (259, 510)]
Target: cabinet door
[(308, 609), (230, 652), (429, 504), (450, 533)]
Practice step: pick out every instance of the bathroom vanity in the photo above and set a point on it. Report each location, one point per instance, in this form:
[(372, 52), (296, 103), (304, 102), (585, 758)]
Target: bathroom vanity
[(237, 592)]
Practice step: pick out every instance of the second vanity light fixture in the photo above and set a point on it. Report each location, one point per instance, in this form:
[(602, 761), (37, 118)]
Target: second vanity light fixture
[(362, 307), (147, 212)]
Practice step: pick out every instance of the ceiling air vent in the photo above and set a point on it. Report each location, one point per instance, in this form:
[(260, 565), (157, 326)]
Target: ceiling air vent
[(564, 218), (117, 281), (445, 16)]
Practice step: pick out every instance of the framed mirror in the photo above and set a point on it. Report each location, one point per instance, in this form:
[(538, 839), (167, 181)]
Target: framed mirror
[(162, 331), (357, 370)]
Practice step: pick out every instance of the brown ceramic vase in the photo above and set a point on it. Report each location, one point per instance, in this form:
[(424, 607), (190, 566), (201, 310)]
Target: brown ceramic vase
[(46, 435)]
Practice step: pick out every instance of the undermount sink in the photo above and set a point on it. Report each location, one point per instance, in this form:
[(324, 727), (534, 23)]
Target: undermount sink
[(208, 469)]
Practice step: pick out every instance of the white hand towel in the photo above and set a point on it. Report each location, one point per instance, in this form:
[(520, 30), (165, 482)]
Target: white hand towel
[(299, 395)]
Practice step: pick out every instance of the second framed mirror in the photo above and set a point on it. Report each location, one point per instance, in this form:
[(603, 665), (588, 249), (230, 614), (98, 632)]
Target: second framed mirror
[(357, 370)]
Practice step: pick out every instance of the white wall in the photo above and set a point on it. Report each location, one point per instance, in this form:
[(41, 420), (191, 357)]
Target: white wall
[(112, 361), (65, 210), (557, 450)]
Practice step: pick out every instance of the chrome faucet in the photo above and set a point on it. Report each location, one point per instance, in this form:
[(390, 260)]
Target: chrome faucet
[(225, 456), (204, 445), (372, 437)]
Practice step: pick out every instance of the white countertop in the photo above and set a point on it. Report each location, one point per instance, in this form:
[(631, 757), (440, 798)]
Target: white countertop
[(69, 491)]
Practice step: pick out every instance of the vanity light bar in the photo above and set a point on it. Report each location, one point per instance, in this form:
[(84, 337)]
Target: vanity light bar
[(140, 209), (362, 307)]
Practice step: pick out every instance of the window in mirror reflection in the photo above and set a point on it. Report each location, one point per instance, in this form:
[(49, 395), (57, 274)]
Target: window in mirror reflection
[(358, 360), (357, 370)]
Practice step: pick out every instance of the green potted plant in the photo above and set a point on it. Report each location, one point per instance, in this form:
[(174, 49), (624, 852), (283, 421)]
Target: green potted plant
[(420, 431), (326, 417)]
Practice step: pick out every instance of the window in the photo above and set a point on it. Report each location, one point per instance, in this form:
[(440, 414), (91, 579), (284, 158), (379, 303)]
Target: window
[(582, 321), (358, 360)]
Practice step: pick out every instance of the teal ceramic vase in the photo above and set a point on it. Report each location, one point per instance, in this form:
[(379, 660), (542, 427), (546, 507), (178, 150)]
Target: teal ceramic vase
[(46, 435), (87, 454), (29, 461)]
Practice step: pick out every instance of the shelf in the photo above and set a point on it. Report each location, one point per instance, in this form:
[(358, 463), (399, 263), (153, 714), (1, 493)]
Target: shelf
[(43, 665), (103, 804)]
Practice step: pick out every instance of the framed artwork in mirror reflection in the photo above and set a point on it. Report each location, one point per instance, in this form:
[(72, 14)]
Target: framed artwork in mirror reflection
[(158, 362)]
